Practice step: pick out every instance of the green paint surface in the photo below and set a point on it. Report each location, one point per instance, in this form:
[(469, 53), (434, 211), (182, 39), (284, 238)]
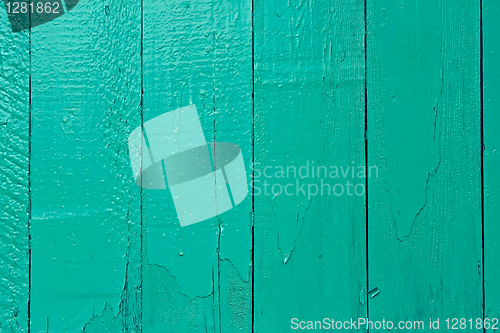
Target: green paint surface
[(14, 177), (310, 259), (424, 222), (85, 233), (491, 162), (199, 53), (392, 86)]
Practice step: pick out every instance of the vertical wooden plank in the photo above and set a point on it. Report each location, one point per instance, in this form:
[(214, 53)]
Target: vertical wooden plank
[(197, 278), (491, 159), (425, 254), (309, 111), (181, 270), (14, 166), (86, 206), (233, 119)]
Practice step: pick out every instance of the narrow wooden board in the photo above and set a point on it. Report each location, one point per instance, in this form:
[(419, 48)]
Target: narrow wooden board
[(14, 177), (85, 205), (180, 265), (424, 221), (198, 53), (491, 160), (309, 109), (233, 120)]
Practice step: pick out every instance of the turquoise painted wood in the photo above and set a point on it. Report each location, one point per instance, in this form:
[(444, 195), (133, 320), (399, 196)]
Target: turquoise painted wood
[(491, 162), (85, 234), (233, 122), (310, 259), (175, 63), (424, 133), (392, 88), (14, 178), (197, 278)]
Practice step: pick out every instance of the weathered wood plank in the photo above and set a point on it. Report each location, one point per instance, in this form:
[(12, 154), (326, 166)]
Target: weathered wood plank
[(180, 263), (233, 120), (14, 166), (85, 205), (491, 159), (424, 218), (309, 109), (198, 53)]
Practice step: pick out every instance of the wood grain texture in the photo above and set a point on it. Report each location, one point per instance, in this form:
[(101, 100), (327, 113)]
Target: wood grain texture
[(233, 122), (309, 109), (293, 84), (424, 222), (85, 205), (14, 177), (180, 294), (196, 278), (491, 159)]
